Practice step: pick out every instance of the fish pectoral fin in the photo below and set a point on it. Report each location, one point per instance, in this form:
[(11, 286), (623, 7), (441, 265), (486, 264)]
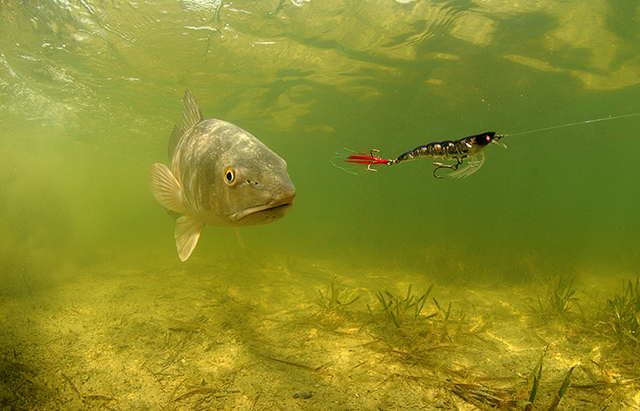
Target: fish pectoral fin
[(165, 188), (188, 229)]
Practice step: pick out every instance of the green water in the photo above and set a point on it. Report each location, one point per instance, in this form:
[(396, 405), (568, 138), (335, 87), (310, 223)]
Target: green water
[(90, 91)]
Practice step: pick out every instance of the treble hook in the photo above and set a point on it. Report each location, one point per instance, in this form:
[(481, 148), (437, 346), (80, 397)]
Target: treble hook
[(451, 166), (372, 156)]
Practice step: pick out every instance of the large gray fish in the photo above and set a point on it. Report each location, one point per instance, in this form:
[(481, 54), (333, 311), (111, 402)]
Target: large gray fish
[(220, 175)]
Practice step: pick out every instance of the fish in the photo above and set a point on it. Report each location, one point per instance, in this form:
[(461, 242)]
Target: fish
[(220, 175)]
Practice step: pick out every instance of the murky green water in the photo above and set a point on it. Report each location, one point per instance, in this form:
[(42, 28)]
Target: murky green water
[(90, 90)]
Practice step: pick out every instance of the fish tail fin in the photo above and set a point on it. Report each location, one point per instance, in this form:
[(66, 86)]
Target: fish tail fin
[(188, 229), (165, 188)]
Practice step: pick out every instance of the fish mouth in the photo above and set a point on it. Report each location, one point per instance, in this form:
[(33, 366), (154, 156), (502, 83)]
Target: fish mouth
[(280, 208)]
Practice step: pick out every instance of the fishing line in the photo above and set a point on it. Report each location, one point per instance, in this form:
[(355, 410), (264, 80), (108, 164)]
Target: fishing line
[(573, 124), (342, 156)]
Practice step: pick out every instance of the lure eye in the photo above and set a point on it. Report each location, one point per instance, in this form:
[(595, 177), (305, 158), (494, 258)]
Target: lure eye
[(230, 177), (483, 139)]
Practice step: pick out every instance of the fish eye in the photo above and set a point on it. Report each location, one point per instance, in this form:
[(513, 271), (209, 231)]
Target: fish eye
[(230, 177)]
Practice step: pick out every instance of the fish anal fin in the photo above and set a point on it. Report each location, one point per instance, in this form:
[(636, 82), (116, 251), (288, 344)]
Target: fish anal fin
[(165, 188), (175, 137), (191, 113), (188, 229)]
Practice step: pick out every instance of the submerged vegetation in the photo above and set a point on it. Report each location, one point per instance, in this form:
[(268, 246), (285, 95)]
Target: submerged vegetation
[(387, 348), (623, 312), (401, 323), (560, 299), (402, 312), (413, 329), (398, 322), (334, 301), (536, 378)]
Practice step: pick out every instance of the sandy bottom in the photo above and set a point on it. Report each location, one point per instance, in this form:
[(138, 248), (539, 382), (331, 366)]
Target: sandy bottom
[(243, 335)]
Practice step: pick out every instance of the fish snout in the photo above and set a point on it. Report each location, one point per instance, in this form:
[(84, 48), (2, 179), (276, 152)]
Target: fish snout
[(285, 195)]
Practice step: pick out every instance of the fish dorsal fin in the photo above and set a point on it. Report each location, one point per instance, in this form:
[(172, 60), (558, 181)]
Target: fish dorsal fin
[(191, 113), (188, 229), (175, 137)]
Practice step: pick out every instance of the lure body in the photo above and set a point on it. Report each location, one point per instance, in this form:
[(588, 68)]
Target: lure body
[(468, 148), (446, 150)]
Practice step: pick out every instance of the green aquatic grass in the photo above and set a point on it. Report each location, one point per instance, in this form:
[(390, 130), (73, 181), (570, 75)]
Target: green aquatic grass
[(400, 311), (623, 315), (560, 299), (563, 388), (536, 376), (335, 301), (397, 320), (446, 316), (400, 322)]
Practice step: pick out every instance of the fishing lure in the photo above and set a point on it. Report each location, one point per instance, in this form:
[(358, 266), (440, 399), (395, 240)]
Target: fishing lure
[(468, 148), (467, 151)]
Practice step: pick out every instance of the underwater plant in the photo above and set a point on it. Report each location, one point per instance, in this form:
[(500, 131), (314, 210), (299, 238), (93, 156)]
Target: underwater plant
[(402, 311), (536, 377), (399, 322), (335, 301), (624, 315), (560, 297)]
